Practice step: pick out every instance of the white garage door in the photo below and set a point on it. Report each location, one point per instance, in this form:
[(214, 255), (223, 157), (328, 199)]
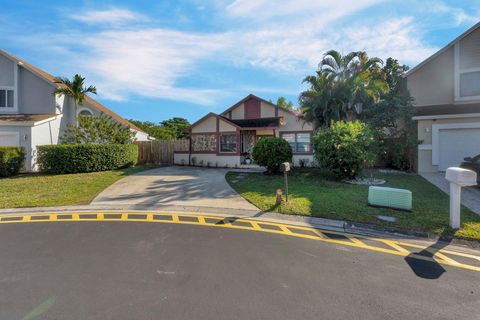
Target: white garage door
[(456, 144), (9, 138)]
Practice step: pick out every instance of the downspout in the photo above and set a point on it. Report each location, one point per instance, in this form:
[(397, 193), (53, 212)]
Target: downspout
[(190, 147)]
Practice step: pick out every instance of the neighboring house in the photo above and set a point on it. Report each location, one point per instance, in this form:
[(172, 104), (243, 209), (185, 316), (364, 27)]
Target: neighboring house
[(30, 113), (227, 139), (446, 89)]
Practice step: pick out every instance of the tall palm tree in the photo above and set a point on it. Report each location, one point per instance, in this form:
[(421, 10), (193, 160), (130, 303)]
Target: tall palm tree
[(75, 89)]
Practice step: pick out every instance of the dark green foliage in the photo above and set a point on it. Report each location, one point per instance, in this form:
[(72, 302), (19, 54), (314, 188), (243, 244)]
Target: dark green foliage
[(345, 148), (75, 158), (12, 160), (101, 130), (171, 129), (282, 103), (270, 152), (154, 130), (178, 126), (391, 118)]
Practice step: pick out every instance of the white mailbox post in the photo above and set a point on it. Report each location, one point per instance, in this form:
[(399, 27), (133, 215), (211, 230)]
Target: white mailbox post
[(458, 178)]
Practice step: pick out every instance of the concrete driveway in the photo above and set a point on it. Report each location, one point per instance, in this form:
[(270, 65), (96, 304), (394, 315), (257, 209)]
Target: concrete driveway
[(470, 195), (192, 189)]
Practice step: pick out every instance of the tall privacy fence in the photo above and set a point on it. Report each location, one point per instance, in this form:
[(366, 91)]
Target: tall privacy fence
[(159, 151)]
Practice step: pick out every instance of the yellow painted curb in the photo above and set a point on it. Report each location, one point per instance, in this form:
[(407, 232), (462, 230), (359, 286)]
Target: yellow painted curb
[(445, 257)]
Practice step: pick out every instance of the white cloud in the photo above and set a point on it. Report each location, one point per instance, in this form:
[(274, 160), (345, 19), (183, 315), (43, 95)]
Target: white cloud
[(107, 16), (130, 60), (265, 9), (458, 14)]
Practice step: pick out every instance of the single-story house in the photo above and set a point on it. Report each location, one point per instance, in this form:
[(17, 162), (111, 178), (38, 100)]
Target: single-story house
[(227, 139), (30, 113), (446, 89)]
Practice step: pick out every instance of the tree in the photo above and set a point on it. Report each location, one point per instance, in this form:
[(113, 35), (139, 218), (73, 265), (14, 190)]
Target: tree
[(154, 130), (178, 126), (75, 89), (282, 103), (342, 87), (391, 117), (97, 130)]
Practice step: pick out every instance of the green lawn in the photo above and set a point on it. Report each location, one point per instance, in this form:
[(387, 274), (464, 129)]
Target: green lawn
[(313, 193), (38, 190)]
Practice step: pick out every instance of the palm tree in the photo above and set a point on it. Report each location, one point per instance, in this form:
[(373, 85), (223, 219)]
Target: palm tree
[(342, 86), (75, 89)]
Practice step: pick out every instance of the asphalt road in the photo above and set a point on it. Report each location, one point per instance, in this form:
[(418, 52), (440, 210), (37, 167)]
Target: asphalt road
[(115, 270)]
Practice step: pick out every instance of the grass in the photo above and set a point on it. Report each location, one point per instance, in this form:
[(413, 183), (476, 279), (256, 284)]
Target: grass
[(314, 193), (38, 190)]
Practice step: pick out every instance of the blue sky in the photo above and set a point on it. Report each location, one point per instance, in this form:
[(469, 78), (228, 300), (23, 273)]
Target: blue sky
[(152, 60)]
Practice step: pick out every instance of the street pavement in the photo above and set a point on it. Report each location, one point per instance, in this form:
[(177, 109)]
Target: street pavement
[(138, 270)]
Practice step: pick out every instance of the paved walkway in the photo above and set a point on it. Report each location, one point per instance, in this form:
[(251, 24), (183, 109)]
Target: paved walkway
[(470, 196), (192, 188)]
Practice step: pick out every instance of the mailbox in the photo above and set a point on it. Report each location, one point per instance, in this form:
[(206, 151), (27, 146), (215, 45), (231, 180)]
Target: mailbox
[(285, 167), (460, 176)]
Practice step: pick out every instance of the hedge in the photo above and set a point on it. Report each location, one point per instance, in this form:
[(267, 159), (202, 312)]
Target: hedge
[(75, 158), (12, 160)]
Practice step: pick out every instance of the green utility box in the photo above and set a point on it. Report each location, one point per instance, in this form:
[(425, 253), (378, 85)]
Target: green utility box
[(390, 198)]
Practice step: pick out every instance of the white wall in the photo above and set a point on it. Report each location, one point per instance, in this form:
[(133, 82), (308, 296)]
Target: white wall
[(46, 133), (212, 159)]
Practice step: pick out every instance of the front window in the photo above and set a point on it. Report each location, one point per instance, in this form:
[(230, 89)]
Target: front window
[(299, 142), (6, 98), (290, 138), (228, 143), (470, 84)]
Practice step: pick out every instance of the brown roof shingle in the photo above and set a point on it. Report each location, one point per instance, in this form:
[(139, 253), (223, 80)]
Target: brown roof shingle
[(25, 117)]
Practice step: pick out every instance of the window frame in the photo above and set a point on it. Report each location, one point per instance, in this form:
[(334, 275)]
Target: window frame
[(14, 104), (235, 149), (295, 143), (85, 109)]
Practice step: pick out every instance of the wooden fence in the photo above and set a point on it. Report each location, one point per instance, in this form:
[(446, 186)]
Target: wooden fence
[(159, 151)]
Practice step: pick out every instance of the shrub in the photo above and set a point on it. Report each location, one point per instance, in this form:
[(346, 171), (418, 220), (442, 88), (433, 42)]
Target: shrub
[(345, 148), (101, 130), (12, 160), (74, 158), (270, 152)]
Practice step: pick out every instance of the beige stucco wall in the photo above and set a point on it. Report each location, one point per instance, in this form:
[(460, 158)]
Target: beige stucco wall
[(224, 126), (266, 110), (239, 112), (470, 51), (264, 132), (293, 123), (212, 159), (207, 125), (433, 83), (425, 127), (425, 135)]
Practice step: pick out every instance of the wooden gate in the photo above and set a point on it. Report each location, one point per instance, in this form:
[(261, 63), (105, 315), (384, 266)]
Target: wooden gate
[(159, 151)]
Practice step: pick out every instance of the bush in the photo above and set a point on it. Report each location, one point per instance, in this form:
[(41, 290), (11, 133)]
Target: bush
[(74, 158), (97, 130), (270, 152), (12, 160), (345, 148)]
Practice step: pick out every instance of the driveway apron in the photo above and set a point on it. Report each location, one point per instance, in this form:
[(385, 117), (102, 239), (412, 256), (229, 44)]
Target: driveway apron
[(176, 187)]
